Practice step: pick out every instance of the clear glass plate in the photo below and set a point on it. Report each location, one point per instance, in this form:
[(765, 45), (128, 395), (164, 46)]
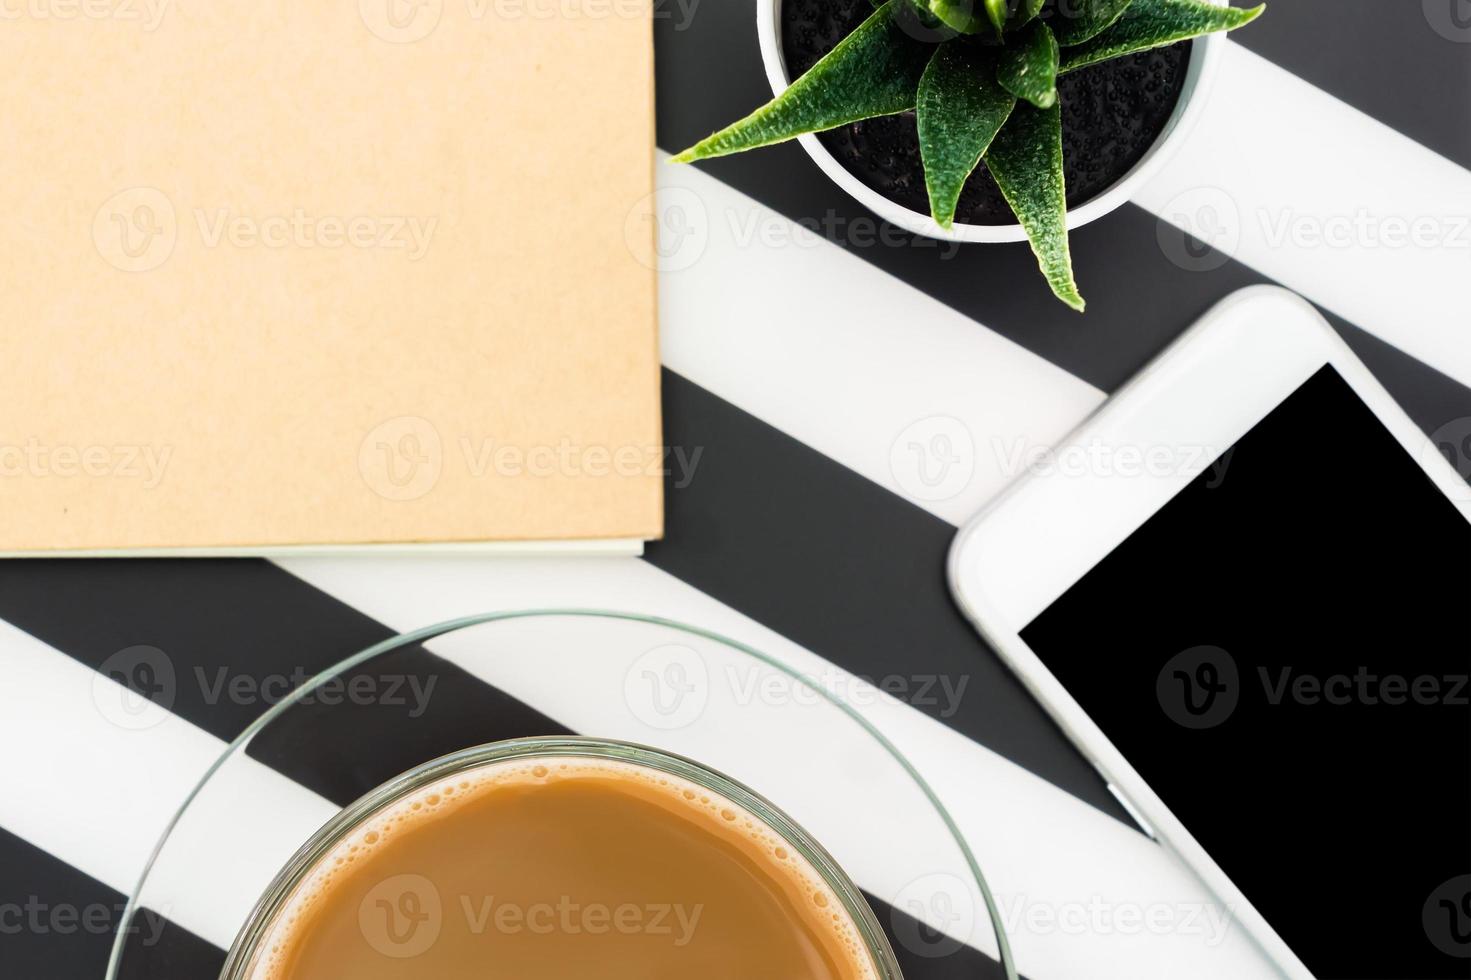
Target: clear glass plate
[(802, 742)]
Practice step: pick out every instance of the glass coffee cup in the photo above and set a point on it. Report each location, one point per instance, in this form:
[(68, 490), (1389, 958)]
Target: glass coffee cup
[(276, 926)]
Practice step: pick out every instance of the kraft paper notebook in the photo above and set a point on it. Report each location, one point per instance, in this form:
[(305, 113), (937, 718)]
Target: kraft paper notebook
[(324, 274)]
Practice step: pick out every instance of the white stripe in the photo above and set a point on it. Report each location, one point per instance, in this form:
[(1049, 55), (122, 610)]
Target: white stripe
[(856, 364), (78, 786), (1313, 193), (97, 794)]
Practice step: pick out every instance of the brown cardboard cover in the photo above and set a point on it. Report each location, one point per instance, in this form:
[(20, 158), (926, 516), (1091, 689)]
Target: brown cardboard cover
[(279, 272)]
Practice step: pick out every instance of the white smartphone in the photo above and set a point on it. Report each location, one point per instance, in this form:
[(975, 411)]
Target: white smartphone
[(1243, 589)]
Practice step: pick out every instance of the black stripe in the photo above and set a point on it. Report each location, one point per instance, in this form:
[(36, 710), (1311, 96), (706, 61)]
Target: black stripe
[(849, 571), (1407, 64), (42, 902), (215, 623), (224, 640), (57, 923), (1430, 398), (1139, 298), (371, 740), (158, 949)]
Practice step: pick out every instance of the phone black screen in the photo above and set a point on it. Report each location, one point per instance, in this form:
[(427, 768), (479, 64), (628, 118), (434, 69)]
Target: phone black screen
[(1282, 652)]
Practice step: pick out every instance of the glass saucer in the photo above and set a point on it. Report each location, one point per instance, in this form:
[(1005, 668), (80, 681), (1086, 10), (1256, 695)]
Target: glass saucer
[(801, 741)]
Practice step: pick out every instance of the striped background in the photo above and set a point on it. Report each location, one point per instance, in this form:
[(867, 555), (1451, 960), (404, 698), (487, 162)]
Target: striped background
[(795, 362)]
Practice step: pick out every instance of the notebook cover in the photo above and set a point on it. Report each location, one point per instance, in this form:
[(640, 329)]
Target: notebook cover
[(327, 272)]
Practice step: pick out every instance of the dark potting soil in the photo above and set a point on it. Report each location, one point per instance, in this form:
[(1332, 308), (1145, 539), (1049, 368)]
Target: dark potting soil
[(1111, 115)]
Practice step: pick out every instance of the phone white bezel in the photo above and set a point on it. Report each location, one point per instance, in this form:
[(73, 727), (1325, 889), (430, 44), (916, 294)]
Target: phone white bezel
[(1050, 527)]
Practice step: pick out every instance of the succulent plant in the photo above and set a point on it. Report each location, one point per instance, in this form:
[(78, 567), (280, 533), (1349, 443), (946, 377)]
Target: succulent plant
[(981, 78)]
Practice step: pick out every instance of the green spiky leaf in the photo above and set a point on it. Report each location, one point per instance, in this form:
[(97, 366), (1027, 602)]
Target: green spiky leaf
[(977, 16), (1082, 20), (1156, 23), (874, 71), (1028, 66), (961, 107), (961, 16), (998, 14), (915, 18), (1023, 12), (1026, 160)]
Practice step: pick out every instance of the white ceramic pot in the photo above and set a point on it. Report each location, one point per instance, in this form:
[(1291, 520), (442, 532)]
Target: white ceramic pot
[(1203, 59)]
